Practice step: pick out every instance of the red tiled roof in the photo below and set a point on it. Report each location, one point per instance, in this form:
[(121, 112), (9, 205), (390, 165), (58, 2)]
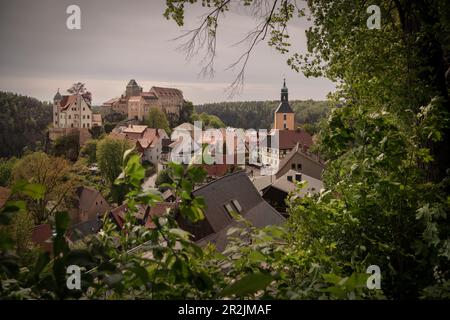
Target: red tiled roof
[(288, 139), (66, 101), (164, 92), (157, 210), (41, 236)]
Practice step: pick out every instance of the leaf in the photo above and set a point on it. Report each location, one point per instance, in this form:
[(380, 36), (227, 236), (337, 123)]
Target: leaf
[(33, 190), (62, 221), (248, 284)]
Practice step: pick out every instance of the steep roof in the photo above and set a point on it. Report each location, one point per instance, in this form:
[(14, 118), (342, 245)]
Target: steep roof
[(41, 235), (131, 83), (305, 153), (284, 107), (69, 100), (166, 92), (238, 193), (157, 210), (134, 129), (283, 183), (57, 96), (288, 139), (86, 197)]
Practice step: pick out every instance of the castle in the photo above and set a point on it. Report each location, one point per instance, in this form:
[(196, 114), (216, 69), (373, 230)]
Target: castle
[(71, 111), (72, 115), (136, 104)]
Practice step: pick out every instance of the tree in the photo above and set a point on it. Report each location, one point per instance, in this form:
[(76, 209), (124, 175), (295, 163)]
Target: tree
[(79, 88), (186, 112), (386, 139), (67, 146), (53, 174), (157, 119), (23, 123), (109, 158), (89, 151), (208, 120), (163, 177), (6, 167)]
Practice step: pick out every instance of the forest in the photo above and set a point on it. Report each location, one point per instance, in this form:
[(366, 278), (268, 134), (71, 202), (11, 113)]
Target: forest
[(23, 121), (259, 114)]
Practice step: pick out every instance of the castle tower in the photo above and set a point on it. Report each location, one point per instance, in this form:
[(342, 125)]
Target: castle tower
[(284, 116), (133, 89), (56, 101)]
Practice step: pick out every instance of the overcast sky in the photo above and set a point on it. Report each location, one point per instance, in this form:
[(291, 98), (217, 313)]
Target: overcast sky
[(130, 39)]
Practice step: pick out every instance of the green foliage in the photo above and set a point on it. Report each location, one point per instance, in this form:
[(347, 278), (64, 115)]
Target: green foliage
[(89, 151), (186, 112), (208, 121), (157, 119), (162, 178), (38, 169), (109, 158), (23, 121), (260, 114), (6, 167), (67, 146)]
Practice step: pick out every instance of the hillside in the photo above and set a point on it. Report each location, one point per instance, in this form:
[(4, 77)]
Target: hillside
[(22, 123), (259, 114)]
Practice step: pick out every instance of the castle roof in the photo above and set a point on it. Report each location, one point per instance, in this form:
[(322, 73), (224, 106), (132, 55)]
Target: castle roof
[(166, 92), (57, 96), (132, 83)]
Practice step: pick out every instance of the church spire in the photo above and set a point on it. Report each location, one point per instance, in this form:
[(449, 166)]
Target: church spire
[(284, 92)]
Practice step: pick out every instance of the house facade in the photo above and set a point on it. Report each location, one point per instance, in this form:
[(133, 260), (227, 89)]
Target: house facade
[(149, 142), (71, 111)]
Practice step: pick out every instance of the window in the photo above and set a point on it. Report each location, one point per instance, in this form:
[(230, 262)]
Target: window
[(88, 116), (293, 166), (299, 166), (70, 116), (298, 177), (84, 125), (84, 117), (289, 178), (237, 205), (228, 208), (284, 117), (88, 125), (285, 126)]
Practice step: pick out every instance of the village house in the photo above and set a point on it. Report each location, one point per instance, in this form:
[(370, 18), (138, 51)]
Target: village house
[(233, 193), (149, 142), (276, 190), (144, 214), (86, 215), (136, 104), (298, 165)]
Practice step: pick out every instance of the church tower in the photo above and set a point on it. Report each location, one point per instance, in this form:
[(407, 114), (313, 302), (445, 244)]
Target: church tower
[(284, 116), (56, 104)]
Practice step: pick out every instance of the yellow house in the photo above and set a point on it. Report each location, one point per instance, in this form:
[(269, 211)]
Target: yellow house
[(284, 116)]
